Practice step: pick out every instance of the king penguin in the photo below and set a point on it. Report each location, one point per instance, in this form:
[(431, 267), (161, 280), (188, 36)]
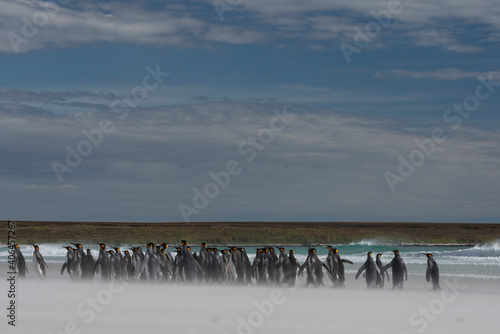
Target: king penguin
[(20, 262), (380, 266), (39, 263), (432, 272), (399, 272), (372, 276)]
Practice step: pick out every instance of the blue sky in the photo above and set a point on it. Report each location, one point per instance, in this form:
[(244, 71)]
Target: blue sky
[(65, 67)]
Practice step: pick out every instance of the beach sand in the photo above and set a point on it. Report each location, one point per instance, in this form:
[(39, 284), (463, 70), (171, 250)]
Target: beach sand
[(58, 305)]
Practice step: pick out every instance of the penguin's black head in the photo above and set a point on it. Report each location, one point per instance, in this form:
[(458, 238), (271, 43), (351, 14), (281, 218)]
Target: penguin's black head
[(67, 247), (369, 253), (428, 254), (35, 246), (116, 249), (203, 244), (77, 245), (335, 250), (379, 254), (215, 250), (291, 251), (103, 246), (126, 252), (184, 242), (329, 247), (281, 249), (313, 250), (17, 246)]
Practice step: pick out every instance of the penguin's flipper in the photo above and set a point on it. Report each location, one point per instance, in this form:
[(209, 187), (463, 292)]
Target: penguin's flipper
[(387, 266), (301, 269), (406, 272), (96, 266), (347, 261), (360, 270), (428, 274), (65, 265)]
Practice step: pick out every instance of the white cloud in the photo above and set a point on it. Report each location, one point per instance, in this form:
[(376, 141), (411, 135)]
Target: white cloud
[(441, 74), (324, 165), (435, 24)]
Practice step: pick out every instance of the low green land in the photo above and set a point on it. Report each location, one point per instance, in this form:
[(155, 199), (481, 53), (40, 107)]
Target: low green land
[(252, 233)]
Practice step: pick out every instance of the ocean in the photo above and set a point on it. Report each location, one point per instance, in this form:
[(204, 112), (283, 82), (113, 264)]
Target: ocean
[(479, 261)]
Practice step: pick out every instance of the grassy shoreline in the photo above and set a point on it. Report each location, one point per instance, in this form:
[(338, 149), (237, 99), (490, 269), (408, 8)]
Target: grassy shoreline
[(254, 233)]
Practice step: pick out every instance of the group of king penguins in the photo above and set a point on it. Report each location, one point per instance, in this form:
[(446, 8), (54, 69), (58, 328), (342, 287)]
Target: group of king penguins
[(230, 265)]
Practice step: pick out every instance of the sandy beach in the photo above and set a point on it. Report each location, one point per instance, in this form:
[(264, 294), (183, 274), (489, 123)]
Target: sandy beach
[(58, 305)]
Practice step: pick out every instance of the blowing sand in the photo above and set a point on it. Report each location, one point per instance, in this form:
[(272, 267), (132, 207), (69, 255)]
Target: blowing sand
[(58, 305)]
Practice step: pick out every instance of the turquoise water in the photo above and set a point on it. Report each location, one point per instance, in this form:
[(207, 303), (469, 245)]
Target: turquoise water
[(480, 261)]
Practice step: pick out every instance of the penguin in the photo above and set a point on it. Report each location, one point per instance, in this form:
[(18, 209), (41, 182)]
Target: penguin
[(237, 260), (295, 265), (121, 261), (372, 276), (20, 262), (150, 265), (103, 263), (166, 262), (69, 265), (380, 266), (330, 266), (203, 259), (218, 263), (283, 268), (115, 265), (88, 265), (129, 269), (39, 263), (335, 267), (247, 265), (229, 271), (399, 272), (271, 265), (271, 268), (178, 262), (432, 273), (259, 267), (80, 257), (314, 268), (190, 267), (137, 259)]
